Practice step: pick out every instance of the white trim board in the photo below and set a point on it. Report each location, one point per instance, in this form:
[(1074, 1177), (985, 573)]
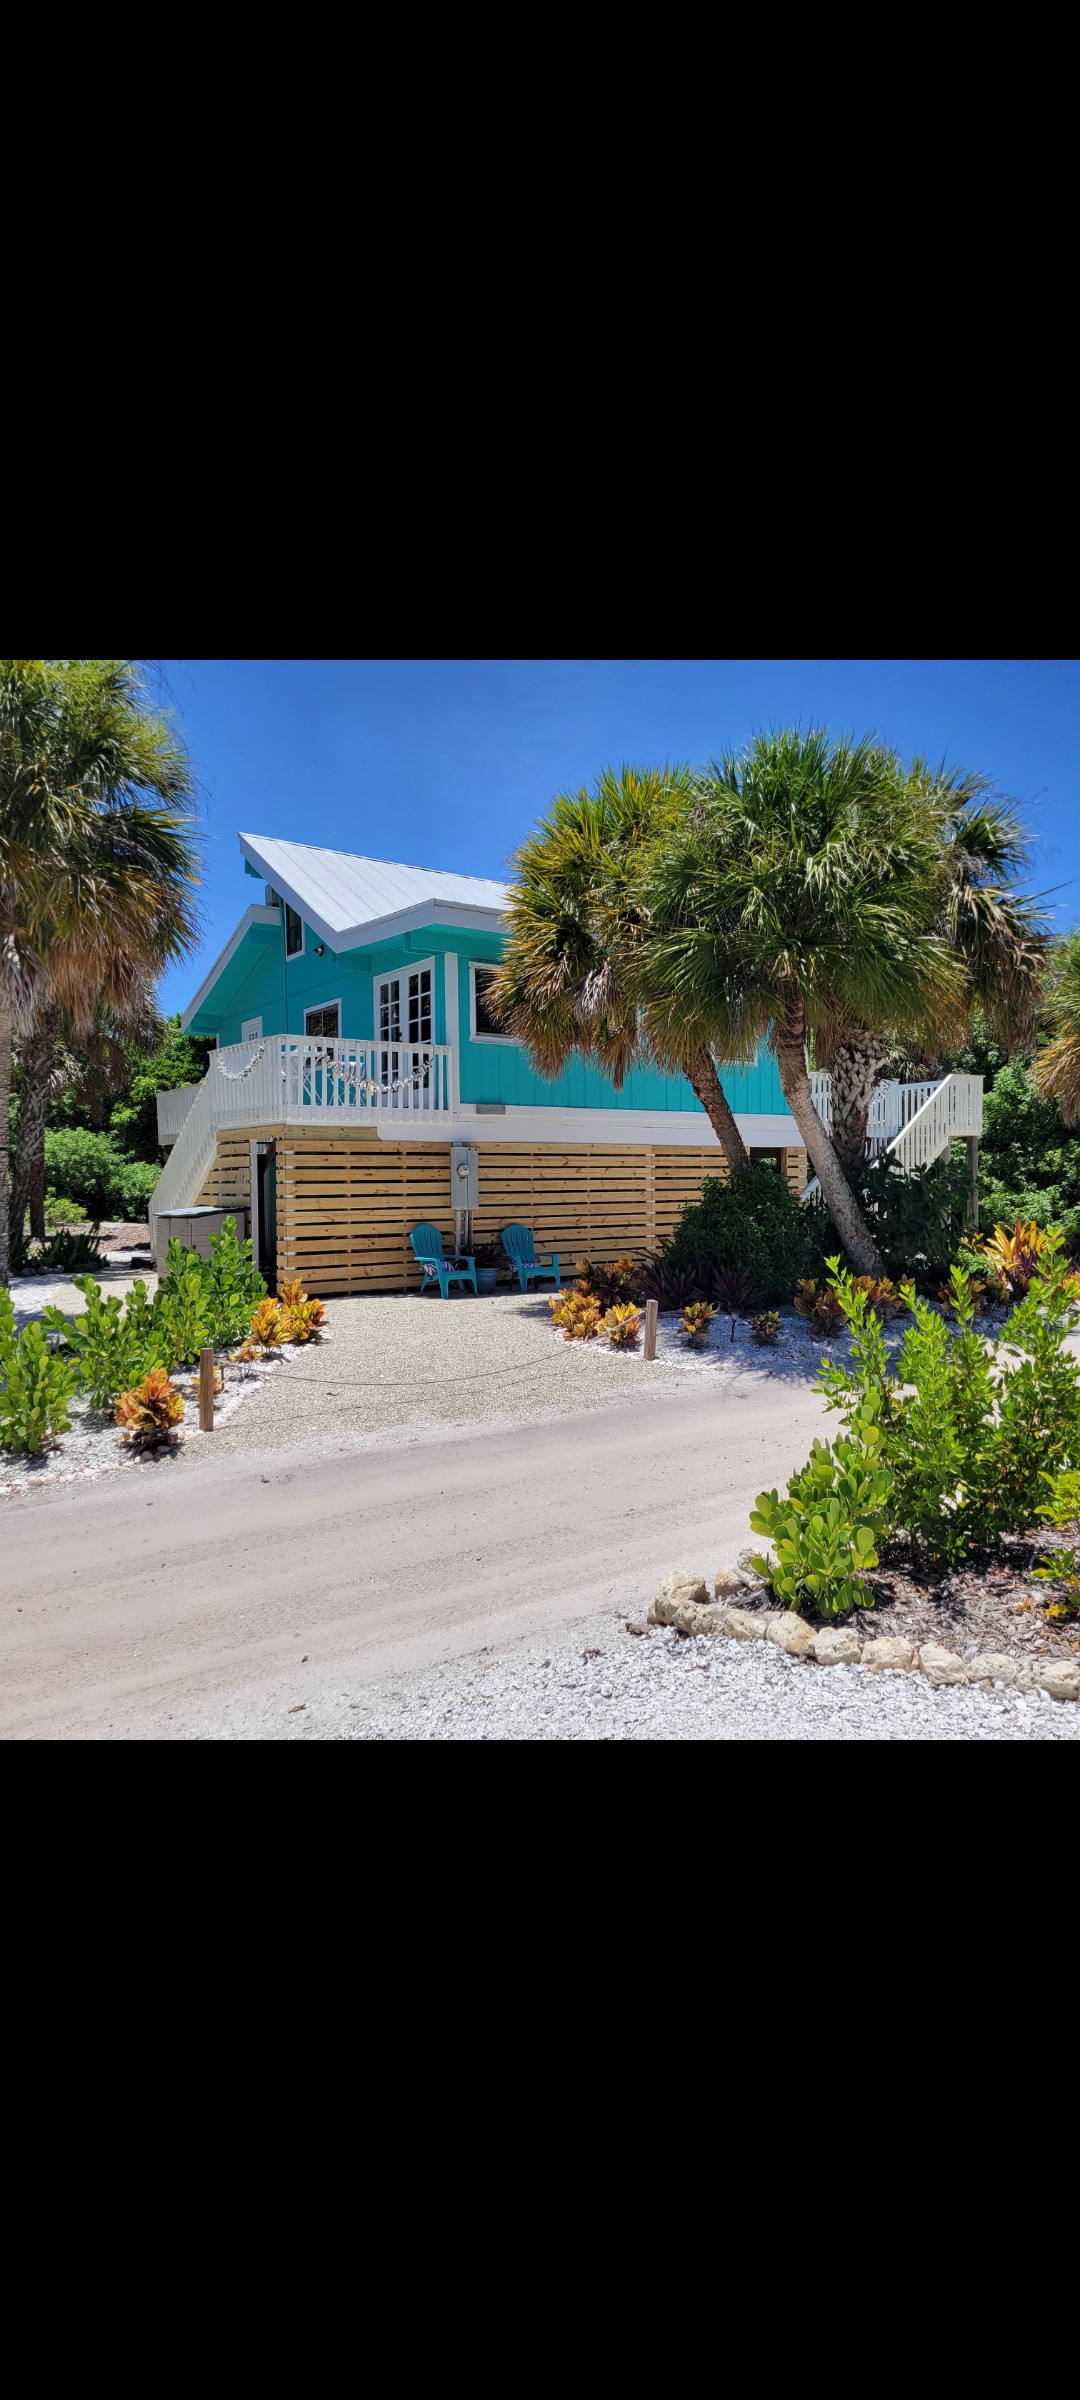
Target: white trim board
[(671, 1129), (257, 914)]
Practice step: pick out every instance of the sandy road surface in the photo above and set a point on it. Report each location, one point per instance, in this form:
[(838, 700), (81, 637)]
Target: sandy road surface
[(124, 1607)]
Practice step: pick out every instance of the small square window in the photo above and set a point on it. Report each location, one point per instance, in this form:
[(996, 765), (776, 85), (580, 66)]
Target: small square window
[(323, 1020), (484, 1021), (294, 932)]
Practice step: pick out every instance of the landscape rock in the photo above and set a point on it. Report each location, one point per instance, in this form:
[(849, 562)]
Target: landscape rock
[(890, 1650), (734, 1579), (837, 1646), (746, 1561), (992, 1666), (942, 1666), (791, 1634), (1060, 1677), (690, 1617), (746, 1625), (675, 1591)]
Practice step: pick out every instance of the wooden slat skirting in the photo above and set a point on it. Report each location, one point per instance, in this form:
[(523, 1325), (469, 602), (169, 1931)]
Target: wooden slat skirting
[(345, 1207)]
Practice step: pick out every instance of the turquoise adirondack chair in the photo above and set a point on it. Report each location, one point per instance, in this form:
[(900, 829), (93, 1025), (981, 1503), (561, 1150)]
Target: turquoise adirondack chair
[(517, 1241), (452, 1268)]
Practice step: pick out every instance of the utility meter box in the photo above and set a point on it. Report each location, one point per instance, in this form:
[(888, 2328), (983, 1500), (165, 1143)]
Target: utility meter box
[(464, 1175)]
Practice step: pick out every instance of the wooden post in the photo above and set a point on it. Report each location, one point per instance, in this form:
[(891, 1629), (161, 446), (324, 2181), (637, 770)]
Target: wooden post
[(206, 1391), (651, 1311), (972, 1145)]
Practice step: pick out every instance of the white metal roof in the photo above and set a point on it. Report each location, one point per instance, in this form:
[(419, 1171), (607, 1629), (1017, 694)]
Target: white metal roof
[(352, 900)]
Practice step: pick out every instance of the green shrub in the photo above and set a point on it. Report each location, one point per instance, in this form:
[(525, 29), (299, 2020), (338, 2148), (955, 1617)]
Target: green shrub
[(60, 1212), (88, 1167), (136, 1187), (234, 1284), (971, 1430), (90, 1170), (199, 1303), (752, 1225), (114, 1342), (825, 1534), (35, 1386), (183, 1306)]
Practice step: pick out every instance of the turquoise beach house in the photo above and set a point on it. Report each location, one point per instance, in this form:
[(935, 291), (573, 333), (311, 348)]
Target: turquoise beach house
[(359, 1084)]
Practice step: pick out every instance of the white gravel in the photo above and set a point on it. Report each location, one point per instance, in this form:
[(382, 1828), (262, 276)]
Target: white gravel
[(657, 1687)]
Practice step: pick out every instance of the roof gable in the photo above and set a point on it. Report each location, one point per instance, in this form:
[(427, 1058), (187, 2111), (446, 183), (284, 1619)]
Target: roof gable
[(351, 900)]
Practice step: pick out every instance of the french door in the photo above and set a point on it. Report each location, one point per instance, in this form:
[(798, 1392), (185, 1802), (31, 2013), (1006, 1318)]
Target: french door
[(404, 1023)]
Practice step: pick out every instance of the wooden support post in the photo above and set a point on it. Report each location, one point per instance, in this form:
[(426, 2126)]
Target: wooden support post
[(972, 1141), (206, 1391), (651, 1311)]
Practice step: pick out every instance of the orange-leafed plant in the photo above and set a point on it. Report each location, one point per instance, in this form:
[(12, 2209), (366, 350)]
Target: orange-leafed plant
[(268, 1325), (1014, 1258), (821, 1309), (150, 1411), (303, 1318), (695, 1322), (576, 1314), (884, 1296), (622, 1325)]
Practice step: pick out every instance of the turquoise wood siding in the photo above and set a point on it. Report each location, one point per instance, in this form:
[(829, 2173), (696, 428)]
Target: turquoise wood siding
[(490, 1070), (260, 982)]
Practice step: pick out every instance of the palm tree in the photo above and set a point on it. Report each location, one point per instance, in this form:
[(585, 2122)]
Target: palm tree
[(1056, 1068), (569, 982), (993, 933), (97, 856), (791, 894)]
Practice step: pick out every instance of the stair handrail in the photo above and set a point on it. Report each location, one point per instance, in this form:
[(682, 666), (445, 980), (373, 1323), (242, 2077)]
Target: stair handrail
[(189, 1161)]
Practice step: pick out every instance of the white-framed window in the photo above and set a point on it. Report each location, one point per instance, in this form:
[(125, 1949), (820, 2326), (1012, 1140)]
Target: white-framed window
[(294, 932), (325, 1021), (405, 1005), (482, 1025)]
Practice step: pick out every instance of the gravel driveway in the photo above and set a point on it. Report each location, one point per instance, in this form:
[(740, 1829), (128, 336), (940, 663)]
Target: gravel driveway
[(659, 1688)]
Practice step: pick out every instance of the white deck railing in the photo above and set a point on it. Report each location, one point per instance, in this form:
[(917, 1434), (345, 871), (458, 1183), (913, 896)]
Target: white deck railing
[(913, 1122), (172, 1108), (299, 1080)]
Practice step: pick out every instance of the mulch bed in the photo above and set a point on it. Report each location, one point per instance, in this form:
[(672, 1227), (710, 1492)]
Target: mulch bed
[(992, 1602)]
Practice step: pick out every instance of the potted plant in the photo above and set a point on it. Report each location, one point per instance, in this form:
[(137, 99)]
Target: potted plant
[(487, 1256)]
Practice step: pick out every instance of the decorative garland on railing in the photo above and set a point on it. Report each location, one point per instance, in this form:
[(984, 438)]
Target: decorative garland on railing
[(347, 1071), (241, 1072)]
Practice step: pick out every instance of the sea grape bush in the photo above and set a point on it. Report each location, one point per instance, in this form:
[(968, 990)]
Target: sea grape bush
[(35, 1386), (825, 1534), (199, 1303)]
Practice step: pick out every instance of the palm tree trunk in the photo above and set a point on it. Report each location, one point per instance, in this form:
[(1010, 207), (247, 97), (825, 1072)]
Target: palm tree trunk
[(858, 1066), (847, 1216), (5, 1109), (28, 1171), (706, 1086)]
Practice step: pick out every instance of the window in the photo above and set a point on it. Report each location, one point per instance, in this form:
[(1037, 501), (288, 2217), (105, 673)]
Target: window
[(420, 1005), (403, 1007), (326, 1021), (294, 932), (485, 1027)]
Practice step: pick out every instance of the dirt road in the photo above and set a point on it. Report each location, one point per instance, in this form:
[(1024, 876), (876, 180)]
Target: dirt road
[(125, 1605)]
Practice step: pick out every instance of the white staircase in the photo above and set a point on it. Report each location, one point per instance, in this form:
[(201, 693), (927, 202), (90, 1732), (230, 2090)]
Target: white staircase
[(911, 1123), (190, 1159)]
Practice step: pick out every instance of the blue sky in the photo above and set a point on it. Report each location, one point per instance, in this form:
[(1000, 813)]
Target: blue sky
[(448, 763)]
